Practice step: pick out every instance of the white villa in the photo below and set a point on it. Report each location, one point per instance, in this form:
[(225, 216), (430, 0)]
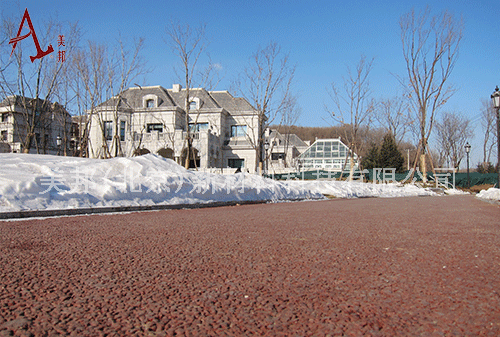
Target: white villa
[(152, 119), (283, 151), (49, 122)]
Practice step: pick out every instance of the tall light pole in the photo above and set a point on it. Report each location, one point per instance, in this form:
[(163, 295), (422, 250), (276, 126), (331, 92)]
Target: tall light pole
[(266, 148), (467, 150), (496, 104), (58, 143)]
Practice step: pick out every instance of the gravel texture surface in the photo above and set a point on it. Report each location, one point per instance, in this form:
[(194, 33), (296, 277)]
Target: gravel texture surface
[(426, 266)]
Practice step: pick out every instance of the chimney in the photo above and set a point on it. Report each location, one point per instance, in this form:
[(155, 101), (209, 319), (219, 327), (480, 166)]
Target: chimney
[(176, 88)]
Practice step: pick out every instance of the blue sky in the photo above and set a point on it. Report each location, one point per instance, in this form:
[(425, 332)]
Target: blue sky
[(321, 37)]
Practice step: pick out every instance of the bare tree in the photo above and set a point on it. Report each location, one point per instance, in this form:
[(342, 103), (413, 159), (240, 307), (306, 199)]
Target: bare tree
[(393, 114), (127, 64), (289, 118), (188, 44), (353, 106), (488, 122), (266, 84), (65, 93), (453, 131), (90, 85), (36, 83), (209, 77), (430, 48), (103, 75)]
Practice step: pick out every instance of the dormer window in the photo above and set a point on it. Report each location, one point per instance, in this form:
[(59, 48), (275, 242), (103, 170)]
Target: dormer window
[(195, 103), (151, 101)]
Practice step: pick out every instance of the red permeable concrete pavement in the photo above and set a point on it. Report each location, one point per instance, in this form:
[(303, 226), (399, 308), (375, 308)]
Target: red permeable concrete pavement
[(381, 267)]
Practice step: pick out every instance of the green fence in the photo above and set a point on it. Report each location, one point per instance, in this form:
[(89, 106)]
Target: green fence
[(476, 179), (369, 175)]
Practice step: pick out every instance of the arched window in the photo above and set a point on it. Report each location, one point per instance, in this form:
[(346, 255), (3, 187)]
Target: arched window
[(195, 103), (151, 101)]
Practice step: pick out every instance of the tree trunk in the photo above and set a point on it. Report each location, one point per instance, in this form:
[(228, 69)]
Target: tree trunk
[(423, 167), (351, 168), (188, 152)]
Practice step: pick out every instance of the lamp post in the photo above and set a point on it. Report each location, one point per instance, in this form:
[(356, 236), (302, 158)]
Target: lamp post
[(496, 104), (58, 142), (467, 150), (266, 148)]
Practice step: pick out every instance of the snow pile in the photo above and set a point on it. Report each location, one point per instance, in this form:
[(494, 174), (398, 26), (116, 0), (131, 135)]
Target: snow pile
[(491, 194), (453, 191), (32, 182), (345, 189), (37, 182)]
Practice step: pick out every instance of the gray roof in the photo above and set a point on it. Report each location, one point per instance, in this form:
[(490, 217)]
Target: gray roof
[(230, 103), (292, 138), (9, 100), (19, 101), (295, 140), (28, 103), (168, 98), (202, 94), (132, 97)]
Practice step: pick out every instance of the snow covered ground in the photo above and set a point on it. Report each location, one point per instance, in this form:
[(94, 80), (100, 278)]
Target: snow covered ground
[(38, 182), (490, 194)]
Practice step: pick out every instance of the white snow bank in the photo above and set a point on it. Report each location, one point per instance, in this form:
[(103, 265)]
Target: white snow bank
[(453, 191), (34, 182), (345, 189), (491, 194), (37, 182)]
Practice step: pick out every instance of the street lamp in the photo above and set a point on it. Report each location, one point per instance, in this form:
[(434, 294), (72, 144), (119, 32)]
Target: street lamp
[(496, 104), (266, 147), (467, 150), (58, 142)]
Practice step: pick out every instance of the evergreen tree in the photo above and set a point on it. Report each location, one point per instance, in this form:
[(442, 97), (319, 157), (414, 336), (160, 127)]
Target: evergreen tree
[(371, 160), (390, 156)]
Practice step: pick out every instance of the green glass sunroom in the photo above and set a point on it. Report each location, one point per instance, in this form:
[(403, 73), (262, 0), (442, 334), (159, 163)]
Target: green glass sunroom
[(327, 154)]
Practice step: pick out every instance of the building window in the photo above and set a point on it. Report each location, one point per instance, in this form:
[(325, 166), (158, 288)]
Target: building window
[(238, 130), (74, 130), (277, 156), (4, 118), (154, 127), (236, 163), (151, 101), (193, 105), (3, 136), (198, 127), (108, 130), (122, 131)]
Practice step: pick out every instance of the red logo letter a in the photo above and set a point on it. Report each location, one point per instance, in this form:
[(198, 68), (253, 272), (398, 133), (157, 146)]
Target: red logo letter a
[(14, 41)]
